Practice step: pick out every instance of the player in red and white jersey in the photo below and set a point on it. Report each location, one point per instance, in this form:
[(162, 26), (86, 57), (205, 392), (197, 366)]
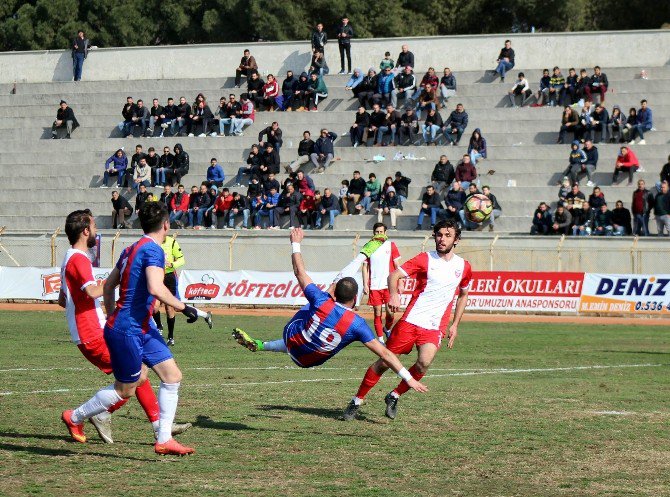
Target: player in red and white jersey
[(376, 270), (80, 294), (440, 276)]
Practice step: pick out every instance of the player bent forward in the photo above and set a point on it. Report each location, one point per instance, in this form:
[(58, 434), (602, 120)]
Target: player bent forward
[(324, 326), (439, 274)]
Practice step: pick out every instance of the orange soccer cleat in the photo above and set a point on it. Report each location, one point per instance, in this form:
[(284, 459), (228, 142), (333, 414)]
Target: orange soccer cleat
[(76, 431), (172, 447)]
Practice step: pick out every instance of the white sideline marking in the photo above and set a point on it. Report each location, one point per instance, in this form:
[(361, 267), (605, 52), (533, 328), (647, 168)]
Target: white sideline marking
[(319, 380), (615, 413)]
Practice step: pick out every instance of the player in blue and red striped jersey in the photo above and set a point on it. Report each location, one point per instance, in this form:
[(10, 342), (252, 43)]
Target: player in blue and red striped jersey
[(325, 325)]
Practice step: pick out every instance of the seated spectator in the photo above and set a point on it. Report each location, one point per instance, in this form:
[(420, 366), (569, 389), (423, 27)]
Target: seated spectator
[(199, 203), (583, 220), (355, 192), (270, 93), (429, 82), (505, 60), (576, 158), (273, 134), (155, 118), (64, 119), (455, 125), (269, 163), (665, 171), (542, 220), (570, 88), (376, 121), (597, 199), (599, 120), (409, 127), (584, 123), (454, 201), (521, 89), (226, 115), (662, 210), (215, 175), (466, 172), (328, 206), (358, 130), (641, 206), (386, 63), (575, 198), (543, 91), (631, 122), (267, 209), (183, 117), (318, 64), (431, 204), (427, 101), (239, 205), (210, 218), (152, 161), (246, 68), (497, 210), (602, 225), (166, 197), (134, 163), (221, 112), (289, 205), (405, 59), (404, 87), (583, 92), (354, 82), (121, 210), (180, 165), (142, 197), (255, 188), (401, 186), (561, 222), (477, 146), (179, 206), (569, 123), (128, 112), (387, 182), (391, 124), (367, 88), (443, 172), (116, 165), (271, 182), (201, 120), (447, 86), (306, 210), (621, 220), (255, 86), (372, 194), (644, 123), (616, 124), (142, 175), (385, 87), (142, 117), (303, 183), (564, 189), (324, 150), (465, 223), (300, 100), (288, 87), (219, 208), (247, 115), (316, 92), (252, 166), (305, 149), (390, 205), (599, 83), (626, 160), (556, 88), (433, 124)]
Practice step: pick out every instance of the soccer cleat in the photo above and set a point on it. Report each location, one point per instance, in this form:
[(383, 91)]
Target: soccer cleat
[(170, 342), (371, 246), (76, 431), (246, 341), (104, 427), (208, 320), (391, 406), (350, 411), (172, 448), (179, 428)]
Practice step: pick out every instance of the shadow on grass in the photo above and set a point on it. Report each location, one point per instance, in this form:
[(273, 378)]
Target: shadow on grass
[(647, 352), (312, 411), (45, 451), (207, 422)]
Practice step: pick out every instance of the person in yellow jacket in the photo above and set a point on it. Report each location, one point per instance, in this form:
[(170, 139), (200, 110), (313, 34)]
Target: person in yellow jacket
[(174, 259)]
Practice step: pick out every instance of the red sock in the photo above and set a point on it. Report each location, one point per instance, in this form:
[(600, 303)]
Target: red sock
[(378, 326), (117, 406), (389, 321), (148, 400), (403, 387), (369, 380)]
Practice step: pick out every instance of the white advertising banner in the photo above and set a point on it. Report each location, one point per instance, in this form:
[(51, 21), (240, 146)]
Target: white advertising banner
[(626, 293)]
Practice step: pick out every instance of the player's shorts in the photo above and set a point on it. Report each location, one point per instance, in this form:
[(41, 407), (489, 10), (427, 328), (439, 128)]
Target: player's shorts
[(170, 281), (379, 297), (129, 350), (97, 353), (405, 336)]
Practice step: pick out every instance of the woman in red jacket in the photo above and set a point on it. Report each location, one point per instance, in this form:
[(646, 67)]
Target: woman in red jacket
[(270, 92), (626, 161)]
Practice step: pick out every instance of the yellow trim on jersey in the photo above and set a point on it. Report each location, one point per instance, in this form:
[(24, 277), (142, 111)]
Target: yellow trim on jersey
[(173, 254)]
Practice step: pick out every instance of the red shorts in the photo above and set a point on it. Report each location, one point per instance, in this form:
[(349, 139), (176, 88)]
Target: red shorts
[(405, 336), (97, 353), (379, 297)]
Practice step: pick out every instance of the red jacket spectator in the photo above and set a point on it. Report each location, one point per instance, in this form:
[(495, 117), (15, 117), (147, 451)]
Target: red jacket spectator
[(271, 89), (180, 202), (223, 203), (307, 203), (430, 80), (248, 110), (465, 171), (627, 159)]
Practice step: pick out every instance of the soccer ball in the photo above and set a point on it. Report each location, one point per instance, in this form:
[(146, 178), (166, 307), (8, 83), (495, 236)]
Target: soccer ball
[(478, 208)]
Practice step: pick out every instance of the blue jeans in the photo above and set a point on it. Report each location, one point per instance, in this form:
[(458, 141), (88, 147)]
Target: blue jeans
[(243, 171), (433, 215), (199, 215), (269, 213), (433, 128), (127, 128), (245, 218), (176, 216), (641, 224), (222, 125), (639, 129), (450, 136), (77, 65), (386, 129), (503, 67), (420, 108), (119, 180), (176, 125), (331, 213), (160, 176), (366, 202), (146, 183), (474, 155)]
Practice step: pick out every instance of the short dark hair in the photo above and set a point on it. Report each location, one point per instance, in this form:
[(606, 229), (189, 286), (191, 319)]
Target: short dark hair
[(75, 224), (643, 101), (448, 223), (140, 100), (346, 290), (597, 67), (508, 41), (379, 225), (152, 216), (522, 75)]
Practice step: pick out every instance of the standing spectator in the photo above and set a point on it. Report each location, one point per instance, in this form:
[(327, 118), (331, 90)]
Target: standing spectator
[(599, 83), (269, 163), (431, 204), (505, 60), (367, 89), (569, 123), (662, 210), (64, 119), (152, 162), (542, 220), (324, 150), (240, 205), (404, 86), (358, 130), (443, 173), (583, 220), (246, 117), (391, 123), (644, 123), (570, 88), (521, 88), (306, 210), (328, 206), (289, 205), (543, 91), (180, 165), (198, 205), (80, 47), (253, 165), (409, 127), (319, 39), (405, 59), (561, 222), (142, 175), (665, 171), (621, 220), (120, 210), (354, 82), (455, 125), (317, 91), (116, 165), (372, 194), (164, 166), (169, 116), (215, 175), (270, 93), (616, 125), (447, 86), (453, 201), (401, 186), (626, 160), (391, 205), (179, 206), (641, 206), (556, 88), (246, 68), (432, 124), (603, 222), (355, 192), (305, 149), (466, 172), (344, 35), (273, 134), (477, 146), (497, 210), (597, 199)]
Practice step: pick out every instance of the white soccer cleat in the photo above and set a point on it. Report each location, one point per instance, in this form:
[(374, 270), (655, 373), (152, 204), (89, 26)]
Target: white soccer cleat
[(104, 427)]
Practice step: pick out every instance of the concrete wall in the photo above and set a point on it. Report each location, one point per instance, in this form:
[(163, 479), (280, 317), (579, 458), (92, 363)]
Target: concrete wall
[(462, 53)]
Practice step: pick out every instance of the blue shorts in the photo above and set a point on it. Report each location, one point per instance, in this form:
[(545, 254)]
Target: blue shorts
[(129, 350)]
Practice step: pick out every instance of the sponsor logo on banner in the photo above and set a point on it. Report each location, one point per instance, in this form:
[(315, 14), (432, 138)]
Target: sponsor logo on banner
[(207, 290), (626, 293), (50, 284)]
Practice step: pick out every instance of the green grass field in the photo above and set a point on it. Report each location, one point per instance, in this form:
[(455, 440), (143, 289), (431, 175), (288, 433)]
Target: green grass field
[(264, 427)]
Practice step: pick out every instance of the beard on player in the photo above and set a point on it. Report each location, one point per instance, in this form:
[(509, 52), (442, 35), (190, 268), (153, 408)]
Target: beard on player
[(90, 241)]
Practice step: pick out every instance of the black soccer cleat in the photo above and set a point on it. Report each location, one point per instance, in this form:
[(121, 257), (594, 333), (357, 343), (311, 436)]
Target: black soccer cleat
[(391, 406), (351, 411)]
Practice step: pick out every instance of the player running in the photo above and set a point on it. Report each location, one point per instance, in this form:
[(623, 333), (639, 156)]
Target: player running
[(132, 336), (325, 325), (174, 259), (376, 270), (439, 275), (79, 295)]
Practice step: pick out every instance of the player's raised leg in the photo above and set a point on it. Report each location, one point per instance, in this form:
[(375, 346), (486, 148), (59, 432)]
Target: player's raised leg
[(255, 345)]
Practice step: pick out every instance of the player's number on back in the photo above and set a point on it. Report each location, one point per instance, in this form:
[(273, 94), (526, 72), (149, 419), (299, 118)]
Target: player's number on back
[(327, 339)]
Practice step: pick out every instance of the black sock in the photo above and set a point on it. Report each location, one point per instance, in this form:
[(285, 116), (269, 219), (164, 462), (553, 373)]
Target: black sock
[(157, 318), (170, 327)]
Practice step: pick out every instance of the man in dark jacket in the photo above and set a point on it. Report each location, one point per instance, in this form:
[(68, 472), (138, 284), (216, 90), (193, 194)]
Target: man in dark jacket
[(319, 39), (169, 116), (120, 210), (344, 35), (405, 58), (603, 222), (166, 197), (305, 149), (246, 68), (405, 86), (401, 185), (301, 93), (561, 222), (289, 204), (142, 196), (443, 173), (200, 201), (355, 192), (269, 163), (357, 132), (455, 125), (180, 165), (505, 60), (182, 119), (409, 127), (431, 204), (64, 119), (155, 116), (288, 87), (128, 112), (141, 117), (662, 210), (80, 47), (599, 119), (583, 219), (270, 183), (542, 220), (329, 206), (273, 134), (641, 206), (621, 220), (201, 120), (366, 89), (324, 150), (454, 201), (390, 126)]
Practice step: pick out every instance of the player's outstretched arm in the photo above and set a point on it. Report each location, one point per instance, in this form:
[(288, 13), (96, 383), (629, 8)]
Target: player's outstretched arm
[(299, 270), (460, 309), (109, 289), (394, 363)]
